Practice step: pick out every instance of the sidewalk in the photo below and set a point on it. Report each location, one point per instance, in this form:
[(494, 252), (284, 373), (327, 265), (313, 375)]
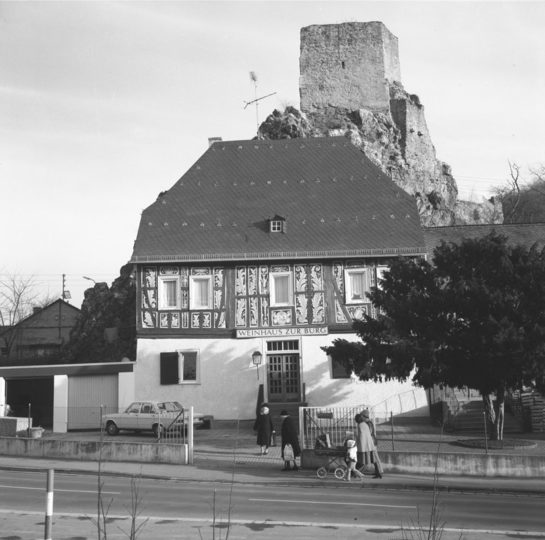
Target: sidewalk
[(228, 453)]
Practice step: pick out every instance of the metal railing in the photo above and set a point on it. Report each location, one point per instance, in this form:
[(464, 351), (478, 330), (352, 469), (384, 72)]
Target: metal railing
[(329, 426)]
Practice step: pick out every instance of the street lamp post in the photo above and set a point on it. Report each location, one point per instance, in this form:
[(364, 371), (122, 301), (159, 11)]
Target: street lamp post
[(90, 279), (256, 361)]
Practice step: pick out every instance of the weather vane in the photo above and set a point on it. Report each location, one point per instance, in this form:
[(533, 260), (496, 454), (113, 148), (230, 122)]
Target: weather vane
[(256, 100)]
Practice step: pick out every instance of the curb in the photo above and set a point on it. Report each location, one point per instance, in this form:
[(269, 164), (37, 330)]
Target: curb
[(309, 482)]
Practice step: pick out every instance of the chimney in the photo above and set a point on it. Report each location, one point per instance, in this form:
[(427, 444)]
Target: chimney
[(212, 140)]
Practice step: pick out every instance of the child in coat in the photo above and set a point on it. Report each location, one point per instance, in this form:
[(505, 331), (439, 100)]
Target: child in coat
[(350, 460)]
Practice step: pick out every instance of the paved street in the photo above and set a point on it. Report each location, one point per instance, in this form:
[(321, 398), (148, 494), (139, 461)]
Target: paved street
[(173, 506), (265, 502)]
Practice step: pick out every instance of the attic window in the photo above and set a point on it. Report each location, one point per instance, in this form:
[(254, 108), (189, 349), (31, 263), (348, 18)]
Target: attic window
[(277, 225)]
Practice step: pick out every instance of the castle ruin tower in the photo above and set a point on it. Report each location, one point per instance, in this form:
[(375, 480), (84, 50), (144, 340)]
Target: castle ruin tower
[(349, 66)]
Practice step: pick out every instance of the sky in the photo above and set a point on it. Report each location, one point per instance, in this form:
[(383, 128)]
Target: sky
[(103, 105)]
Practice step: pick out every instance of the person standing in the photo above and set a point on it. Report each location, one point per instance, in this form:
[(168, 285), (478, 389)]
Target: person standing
[(367, 452), (289, 437), (375, 459), (264, 427)]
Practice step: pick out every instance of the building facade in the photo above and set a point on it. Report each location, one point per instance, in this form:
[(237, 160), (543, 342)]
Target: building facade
[(261, 254)]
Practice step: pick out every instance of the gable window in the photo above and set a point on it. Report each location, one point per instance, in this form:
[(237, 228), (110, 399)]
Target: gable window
[(200, 293), (179, 367), (356, 285), (281, 286), (169, 292)]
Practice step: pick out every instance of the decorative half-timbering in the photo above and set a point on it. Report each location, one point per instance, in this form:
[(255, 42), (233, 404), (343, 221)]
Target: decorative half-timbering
[(166, 297)]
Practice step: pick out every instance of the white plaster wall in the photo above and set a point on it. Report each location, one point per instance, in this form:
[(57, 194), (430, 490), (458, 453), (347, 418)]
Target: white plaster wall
[(125, 389), (60, 403), (2, 396), (227, 387), (322, 390)]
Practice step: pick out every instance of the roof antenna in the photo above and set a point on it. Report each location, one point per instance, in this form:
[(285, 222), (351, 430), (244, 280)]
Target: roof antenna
[(256, 100)]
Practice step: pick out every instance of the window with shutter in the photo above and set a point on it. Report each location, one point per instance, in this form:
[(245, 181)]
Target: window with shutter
[(179, 367), (169, 368)]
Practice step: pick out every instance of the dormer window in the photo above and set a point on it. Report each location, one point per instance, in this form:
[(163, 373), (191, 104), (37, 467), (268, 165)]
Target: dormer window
[(277, 224)]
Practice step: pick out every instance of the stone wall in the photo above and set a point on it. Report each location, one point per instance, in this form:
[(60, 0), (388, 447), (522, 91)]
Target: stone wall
[(347, 65)]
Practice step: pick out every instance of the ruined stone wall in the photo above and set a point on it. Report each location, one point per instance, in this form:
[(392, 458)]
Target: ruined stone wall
[(347, 65)]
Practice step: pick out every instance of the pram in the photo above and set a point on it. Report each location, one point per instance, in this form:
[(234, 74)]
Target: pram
[(335, 461)]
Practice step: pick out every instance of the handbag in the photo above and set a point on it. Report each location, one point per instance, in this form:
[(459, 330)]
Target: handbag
[(288, 453)]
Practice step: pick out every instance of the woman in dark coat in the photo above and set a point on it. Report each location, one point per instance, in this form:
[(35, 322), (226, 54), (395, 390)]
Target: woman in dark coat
[(264, 427), (289, 436)]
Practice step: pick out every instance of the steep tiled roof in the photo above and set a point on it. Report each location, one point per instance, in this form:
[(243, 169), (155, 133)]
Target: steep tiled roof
[(335, 201), (526, 234)]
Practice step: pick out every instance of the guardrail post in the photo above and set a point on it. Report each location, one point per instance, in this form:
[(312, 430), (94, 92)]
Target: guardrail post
[(49, 505)]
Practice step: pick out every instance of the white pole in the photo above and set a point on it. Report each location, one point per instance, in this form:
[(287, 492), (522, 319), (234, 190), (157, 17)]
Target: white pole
[(190, 435), (49, 505)]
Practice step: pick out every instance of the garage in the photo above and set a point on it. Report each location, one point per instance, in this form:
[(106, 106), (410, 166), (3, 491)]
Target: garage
[(67, 396), (86, 394)]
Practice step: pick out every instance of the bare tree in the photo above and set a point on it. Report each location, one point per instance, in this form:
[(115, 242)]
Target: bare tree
[(523, 201), (18, 296)]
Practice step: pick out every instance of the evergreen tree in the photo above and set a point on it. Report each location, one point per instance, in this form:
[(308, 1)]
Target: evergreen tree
[(474, 317)]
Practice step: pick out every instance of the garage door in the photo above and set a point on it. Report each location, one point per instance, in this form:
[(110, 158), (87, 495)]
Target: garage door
[(86, 395)]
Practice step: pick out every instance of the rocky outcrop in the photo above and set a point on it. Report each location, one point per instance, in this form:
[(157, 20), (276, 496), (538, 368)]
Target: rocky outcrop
[(350, 86), (106, 329)]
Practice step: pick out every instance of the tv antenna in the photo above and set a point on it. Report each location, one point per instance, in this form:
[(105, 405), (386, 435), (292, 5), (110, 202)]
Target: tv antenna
[(256, 100)]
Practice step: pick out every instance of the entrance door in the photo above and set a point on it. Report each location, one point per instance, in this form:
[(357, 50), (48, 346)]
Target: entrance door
[(283, 377)]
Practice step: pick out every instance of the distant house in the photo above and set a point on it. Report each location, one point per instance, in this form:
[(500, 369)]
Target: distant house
[(261, 254), (38, 338)]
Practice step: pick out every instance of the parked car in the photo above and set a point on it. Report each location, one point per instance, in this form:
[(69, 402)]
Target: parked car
[(155, 416)]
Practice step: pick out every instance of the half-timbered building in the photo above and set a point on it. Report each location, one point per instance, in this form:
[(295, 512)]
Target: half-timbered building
[(259, 255)]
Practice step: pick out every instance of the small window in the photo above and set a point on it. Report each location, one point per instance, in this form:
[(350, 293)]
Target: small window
[(341, 370), (179, 367), (356, 286), (200, 295), (276, 225), (169, 292), (380, 274), (281, 289)]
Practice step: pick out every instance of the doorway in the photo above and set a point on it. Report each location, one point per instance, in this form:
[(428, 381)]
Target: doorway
[(283, 375), (35, 393)]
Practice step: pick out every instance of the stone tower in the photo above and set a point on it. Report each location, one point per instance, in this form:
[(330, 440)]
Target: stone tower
[(350, 84), (348, 65)]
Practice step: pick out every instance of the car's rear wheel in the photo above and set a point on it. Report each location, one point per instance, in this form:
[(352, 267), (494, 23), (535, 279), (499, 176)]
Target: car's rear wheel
[(111, 428), (158, 430)]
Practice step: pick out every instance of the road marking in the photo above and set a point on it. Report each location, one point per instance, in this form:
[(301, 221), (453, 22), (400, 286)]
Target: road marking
[(63, 490), (331, 503), (362, 526)]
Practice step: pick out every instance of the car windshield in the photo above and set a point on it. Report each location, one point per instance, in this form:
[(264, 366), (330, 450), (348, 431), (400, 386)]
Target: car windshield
[(170, 406), (133, 408)]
